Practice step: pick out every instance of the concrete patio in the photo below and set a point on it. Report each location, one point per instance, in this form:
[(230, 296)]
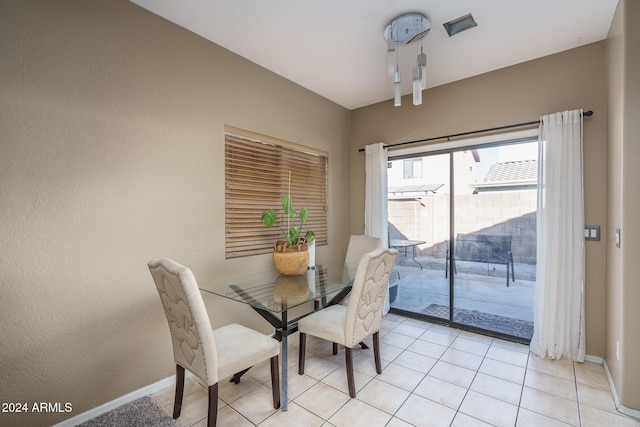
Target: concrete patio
[(478, 287)]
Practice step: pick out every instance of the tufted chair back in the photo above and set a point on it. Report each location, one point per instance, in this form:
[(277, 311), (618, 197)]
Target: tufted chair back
[(194, 347), (364, 312)]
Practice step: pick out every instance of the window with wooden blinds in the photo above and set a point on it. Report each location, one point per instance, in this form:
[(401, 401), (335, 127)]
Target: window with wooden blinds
[(257, 171)]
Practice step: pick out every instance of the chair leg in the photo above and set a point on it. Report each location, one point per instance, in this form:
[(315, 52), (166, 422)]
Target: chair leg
[(335, 348), (376, 351), (177, 403), (350, 381), (275, 382), (213, 405), (507, 275), (301, 353)]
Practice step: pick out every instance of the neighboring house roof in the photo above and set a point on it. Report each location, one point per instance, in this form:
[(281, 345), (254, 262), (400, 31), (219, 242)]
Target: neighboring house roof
[(520, 172), (414, 190)]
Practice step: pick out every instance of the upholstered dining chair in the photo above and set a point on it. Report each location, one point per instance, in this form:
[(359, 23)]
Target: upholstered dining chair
[(210, 354), (349, 325), (360, 244)]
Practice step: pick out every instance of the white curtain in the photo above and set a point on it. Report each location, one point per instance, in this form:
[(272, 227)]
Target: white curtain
[(376, 222), (559, 296)]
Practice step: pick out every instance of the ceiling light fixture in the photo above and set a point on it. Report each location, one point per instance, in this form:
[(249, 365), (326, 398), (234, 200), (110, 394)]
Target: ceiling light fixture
[(401, 31)]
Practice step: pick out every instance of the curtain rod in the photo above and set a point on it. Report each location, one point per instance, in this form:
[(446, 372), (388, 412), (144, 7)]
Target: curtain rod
[(455, 135)]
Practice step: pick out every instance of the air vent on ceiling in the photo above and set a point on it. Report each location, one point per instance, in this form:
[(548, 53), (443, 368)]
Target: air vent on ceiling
[(459, 25)]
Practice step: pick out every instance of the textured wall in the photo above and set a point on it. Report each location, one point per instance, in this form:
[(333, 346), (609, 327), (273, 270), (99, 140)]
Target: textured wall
[(111, 154), (623, 181)]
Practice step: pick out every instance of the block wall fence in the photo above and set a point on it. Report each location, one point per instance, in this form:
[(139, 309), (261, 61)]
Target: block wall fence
[(509, 212)]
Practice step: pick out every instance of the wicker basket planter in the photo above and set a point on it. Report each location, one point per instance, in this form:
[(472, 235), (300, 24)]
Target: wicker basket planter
[(291, 251), (290, 260)]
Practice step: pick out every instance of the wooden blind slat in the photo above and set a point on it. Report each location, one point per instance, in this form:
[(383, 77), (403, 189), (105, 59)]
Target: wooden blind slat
[(256, 177)]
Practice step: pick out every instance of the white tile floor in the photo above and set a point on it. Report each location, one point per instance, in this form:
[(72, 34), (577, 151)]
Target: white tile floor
[(432, 376)]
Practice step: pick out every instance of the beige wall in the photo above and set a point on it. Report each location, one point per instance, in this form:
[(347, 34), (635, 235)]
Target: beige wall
[(623, 182), (521, 93), (111, 154)]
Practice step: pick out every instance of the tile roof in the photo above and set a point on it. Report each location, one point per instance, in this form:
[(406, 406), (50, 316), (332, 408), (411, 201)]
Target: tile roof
[(521, 171)]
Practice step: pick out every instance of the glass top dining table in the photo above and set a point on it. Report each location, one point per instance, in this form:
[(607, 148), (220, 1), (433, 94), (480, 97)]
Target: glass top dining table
[(276, 293), (272, 295)]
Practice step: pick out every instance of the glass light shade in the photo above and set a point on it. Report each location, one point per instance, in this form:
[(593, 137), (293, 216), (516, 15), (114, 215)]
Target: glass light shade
[(391, 56), (417, 92), (397, 90), (417, 86)]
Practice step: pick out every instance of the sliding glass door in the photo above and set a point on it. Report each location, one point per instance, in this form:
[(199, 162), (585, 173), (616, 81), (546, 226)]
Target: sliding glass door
[(464, 222), (419, 212), (494, 233)]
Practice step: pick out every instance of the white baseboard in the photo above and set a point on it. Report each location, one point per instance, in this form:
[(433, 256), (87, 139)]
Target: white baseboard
[(594, 359), (629, 412), (130, 397)]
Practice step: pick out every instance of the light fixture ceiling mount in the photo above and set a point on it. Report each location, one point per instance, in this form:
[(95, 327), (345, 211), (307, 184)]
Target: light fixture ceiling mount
[(408, 28), (401, 31)]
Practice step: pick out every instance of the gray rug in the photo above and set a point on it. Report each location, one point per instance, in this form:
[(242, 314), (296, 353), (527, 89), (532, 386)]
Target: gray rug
[(492, 322), (143, 412)]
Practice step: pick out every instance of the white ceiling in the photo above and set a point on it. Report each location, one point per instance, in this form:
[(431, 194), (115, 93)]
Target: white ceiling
[(336, 48)]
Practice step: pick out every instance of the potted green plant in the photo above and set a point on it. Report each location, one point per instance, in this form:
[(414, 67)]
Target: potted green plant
[(290, 251)]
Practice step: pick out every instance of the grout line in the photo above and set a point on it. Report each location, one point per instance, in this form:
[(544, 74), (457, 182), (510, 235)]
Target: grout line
[(524, 379), (575, 378)]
